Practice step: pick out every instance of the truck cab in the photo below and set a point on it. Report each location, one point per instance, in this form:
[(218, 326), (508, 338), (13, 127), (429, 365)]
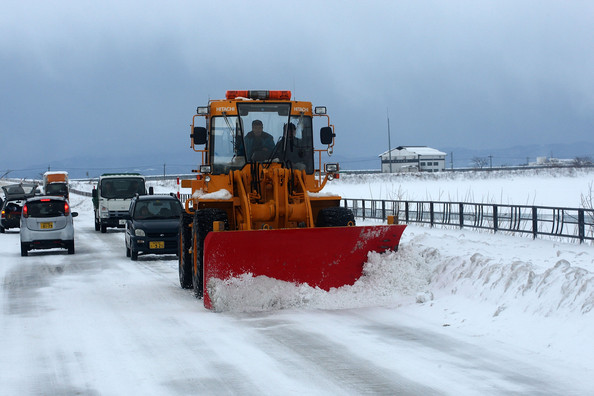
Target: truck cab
[(112, 196), (56, 183)]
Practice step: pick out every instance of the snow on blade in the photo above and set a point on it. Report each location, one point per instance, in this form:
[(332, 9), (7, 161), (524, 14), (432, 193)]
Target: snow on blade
[(387, 278)]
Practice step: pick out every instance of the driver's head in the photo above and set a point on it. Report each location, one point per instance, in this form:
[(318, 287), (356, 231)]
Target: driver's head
[(257, 127)]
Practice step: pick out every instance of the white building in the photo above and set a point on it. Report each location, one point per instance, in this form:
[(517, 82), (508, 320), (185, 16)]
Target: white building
[(413, 159)]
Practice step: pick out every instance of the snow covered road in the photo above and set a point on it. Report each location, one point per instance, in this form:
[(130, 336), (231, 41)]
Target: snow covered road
[(97, 323)]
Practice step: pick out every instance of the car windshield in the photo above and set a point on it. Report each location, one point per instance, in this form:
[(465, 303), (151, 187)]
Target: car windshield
[(46, 208), (257, 135), (157, 209), (122, 188)]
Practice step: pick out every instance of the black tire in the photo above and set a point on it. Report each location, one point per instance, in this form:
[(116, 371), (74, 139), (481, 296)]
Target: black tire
[(128, 254), (133, 254), (103, 228), (203, 220), (97, 228), (2, 230), (335, 217), (184, 251), (24, 250), (71, 247)]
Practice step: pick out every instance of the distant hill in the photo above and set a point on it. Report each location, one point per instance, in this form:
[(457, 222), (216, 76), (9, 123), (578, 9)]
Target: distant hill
[(183, 161)]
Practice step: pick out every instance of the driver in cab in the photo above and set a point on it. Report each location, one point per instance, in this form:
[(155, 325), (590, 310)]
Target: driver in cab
[(259, 144)]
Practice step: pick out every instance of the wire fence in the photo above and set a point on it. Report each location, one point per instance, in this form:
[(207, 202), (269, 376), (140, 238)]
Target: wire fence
[(537, 221)]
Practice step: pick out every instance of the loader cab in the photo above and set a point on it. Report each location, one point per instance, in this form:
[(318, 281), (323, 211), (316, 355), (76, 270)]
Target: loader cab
[(260, 133)]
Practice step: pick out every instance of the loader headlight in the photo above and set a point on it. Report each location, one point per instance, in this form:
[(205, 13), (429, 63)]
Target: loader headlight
[(202, 110), (205, 169), (139, 233), (331, 168), (320, 110)]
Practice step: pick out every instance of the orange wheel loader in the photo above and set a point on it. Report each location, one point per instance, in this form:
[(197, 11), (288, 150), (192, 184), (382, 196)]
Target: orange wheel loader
[(256, 205)]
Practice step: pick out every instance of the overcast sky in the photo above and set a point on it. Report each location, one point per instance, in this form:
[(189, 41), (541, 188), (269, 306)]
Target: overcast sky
[(92, 77)]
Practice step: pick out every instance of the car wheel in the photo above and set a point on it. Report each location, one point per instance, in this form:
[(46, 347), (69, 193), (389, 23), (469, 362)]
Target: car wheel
[(133, 254), (24, 250), (2, 230), (97, 227), (103, 228), (127, 252), (71, 247)]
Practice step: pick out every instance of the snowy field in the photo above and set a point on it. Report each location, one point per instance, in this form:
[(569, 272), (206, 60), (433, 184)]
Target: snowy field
[(452, 312)]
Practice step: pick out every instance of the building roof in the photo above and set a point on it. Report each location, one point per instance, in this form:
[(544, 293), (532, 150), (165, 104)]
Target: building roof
[(419, 150)]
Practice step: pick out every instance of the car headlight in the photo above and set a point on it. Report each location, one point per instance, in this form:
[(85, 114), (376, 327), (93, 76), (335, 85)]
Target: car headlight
[(138, 232)]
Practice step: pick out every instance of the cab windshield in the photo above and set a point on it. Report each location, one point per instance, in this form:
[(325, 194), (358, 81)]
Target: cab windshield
[(122, 188), (263, 132), (56, 189)]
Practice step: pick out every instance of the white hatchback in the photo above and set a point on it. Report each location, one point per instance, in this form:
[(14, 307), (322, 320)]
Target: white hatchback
[(46, 223)]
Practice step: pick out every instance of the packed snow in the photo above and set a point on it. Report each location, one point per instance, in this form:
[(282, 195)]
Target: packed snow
[(451, 312)]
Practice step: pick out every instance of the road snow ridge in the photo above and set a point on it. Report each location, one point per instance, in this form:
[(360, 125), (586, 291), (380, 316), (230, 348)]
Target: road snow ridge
[(518, 284)]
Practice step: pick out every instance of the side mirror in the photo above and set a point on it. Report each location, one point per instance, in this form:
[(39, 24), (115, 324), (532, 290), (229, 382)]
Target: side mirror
[(74, 214), (326, 135), (94, 193), (199, 135)]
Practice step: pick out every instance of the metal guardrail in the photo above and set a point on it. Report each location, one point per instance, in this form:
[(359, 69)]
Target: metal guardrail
[(572, 223)]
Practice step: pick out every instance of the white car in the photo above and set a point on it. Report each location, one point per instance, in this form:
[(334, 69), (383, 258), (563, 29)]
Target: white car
[(46, 223)]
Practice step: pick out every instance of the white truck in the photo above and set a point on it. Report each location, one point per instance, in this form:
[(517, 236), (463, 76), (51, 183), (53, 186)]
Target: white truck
[(112, 197)]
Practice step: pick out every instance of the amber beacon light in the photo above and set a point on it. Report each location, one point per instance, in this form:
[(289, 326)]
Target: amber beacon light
[(260, 95)]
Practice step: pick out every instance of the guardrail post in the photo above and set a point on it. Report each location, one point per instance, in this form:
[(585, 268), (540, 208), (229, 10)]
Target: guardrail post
[(534, 222), (461, 215), (383, 210), (431, 214), (581, 225), (495, 219), (406, 211), (363, 205)]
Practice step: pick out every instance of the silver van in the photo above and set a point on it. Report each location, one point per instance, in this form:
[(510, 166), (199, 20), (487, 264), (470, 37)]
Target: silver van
[(46, 223)]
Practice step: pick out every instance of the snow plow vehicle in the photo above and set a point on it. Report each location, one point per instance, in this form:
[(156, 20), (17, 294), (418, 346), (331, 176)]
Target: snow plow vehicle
[(256, 205)]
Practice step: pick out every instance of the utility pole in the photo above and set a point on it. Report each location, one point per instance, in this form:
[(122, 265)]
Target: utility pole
[(491, 161), (163, 171), (452, 160), (389, 143)]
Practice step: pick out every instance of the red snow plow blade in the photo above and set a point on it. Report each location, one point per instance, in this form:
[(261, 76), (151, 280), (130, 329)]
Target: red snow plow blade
[(323, 257)]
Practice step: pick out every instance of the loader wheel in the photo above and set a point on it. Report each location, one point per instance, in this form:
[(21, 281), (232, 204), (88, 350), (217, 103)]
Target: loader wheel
[(335, 217), (203, 220), (184, 255)]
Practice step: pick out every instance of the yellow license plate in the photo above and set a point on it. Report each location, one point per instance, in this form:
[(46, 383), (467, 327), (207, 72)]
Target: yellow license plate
[(157, 245), (46, 226)]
